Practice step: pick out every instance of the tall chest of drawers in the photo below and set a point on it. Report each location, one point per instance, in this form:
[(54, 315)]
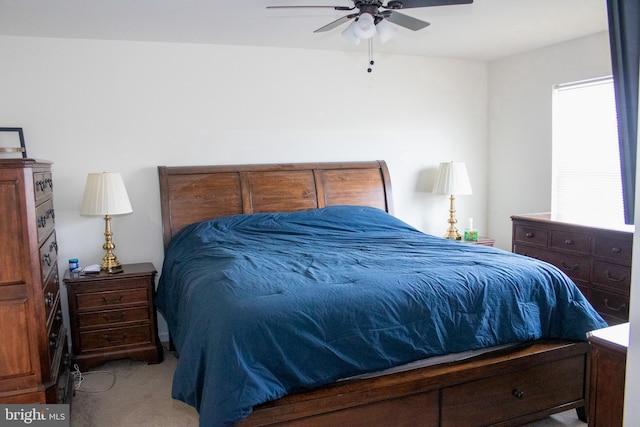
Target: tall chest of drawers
[(597, 259), (33, 354)]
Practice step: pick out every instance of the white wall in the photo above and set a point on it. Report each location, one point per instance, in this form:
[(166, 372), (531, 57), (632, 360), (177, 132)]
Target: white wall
[(520, 89), (92, 106)]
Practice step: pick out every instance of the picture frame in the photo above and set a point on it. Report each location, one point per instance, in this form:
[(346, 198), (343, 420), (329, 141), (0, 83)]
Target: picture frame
[(12, 143)]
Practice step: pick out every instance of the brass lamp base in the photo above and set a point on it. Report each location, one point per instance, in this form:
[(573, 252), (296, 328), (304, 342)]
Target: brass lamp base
[(110, 263), (452, 232)]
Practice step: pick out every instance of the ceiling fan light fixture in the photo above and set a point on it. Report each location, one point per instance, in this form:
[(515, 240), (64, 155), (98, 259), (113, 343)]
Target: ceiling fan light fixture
[(386, 30), (365, 28), (349, 33)]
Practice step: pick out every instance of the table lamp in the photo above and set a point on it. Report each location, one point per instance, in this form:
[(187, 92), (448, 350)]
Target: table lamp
[(453, 180), (105, 194)]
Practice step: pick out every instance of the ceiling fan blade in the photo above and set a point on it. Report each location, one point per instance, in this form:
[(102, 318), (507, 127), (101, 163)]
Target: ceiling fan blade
[(405, 20), (336, 23), (312, 7), (408, 4)]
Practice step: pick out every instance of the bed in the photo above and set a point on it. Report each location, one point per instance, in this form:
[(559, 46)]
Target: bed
[(294, 297)]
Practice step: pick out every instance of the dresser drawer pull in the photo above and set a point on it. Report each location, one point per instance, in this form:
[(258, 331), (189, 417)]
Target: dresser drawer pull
[(113, 318), (568, 242), (42, 221), (53, 340), (616, 250), (53, 247), (529, 235), (113, 301), (610, 278), (46, 259), (48, 299), (518, 394), (619, 308), (569, 268), (115, 341)]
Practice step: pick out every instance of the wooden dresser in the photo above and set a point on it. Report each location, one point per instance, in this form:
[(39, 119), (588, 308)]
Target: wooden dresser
[(34, 361), (113, 316), (598, 260)]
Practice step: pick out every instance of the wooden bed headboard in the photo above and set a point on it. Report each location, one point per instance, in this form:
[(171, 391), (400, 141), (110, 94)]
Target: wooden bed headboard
[(190, 194)]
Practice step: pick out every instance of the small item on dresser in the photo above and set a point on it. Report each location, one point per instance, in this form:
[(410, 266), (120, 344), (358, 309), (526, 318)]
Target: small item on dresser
[(73, 264), (470, 235), (91, 269)]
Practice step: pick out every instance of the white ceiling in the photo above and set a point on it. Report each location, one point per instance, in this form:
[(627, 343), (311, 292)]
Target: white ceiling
[(484, 30)]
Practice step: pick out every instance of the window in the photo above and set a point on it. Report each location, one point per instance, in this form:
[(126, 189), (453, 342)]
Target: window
[(586, 181)]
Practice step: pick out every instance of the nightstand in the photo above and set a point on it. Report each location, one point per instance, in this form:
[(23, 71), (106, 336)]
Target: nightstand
[(608, 366), (112, 316)]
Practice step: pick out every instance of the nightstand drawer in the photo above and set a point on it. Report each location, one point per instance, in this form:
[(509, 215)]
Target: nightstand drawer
[(116, 337), (571, 242), (112, 317), (117, 298), (531, 235), (613, 276), (516, 394)]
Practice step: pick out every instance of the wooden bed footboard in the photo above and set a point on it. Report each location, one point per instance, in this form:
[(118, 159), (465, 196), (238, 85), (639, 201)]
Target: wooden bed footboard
[(510, 387)]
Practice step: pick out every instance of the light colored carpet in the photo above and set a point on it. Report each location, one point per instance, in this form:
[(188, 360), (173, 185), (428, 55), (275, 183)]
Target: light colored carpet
[(125, 394)]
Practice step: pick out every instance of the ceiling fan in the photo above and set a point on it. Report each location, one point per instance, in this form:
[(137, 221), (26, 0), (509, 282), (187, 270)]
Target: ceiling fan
[(376, 9)]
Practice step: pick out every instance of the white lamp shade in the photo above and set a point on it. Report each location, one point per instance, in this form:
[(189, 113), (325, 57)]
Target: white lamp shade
[(386, 30), (452, 179), (365, 28), (105, 194), (350, 35)]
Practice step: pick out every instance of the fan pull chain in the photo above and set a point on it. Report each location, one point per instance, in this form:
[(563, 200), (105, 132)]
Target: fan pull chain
[(371, 62)]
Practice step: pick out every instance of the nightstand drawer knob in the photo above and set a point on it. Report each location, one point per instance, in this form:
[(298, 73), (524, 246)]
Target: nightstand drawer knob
[(529, 235), (568, 242), (518, 394)]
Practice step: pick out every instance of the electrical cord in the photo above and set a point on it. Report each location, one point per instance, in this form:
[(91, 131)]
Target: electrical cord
[(79, 378)]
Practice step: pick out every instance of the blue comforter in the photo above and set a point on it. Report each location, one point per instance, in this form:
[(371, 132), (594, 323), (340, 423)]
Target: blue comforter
[(263, 305)]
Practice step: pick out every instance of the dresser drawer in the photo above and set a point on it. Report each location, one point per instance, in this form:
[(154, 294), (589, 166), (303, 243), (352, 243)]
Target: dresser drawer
[(55, 332), (516, 394), (575, 267), (42, 186), (613, 276), (110, 318), (537, 236), (45, 220), (92, 301), (529, 251), (618, 249), (115, 337), (51, 294), (569, 241), (48, 255), (610, 305)]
